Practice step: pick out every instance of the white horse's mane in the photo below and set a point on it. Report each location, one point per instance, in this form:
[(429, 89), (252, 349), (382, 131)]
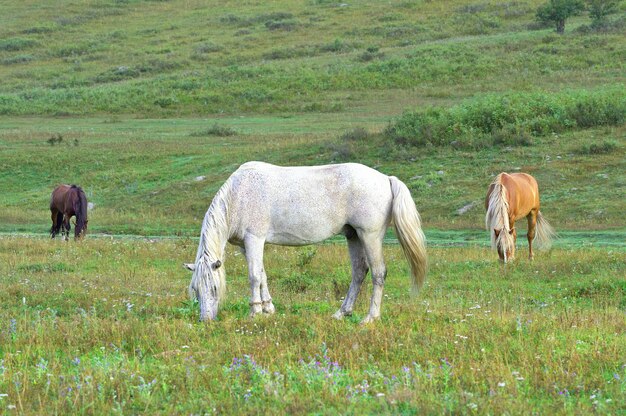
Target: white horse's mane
[(213, 238), (497, 217)]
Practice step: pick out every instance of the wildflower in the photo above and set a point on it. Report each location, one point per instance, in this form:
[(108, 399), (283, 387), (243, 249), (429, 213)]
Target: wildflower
[(501, 384)]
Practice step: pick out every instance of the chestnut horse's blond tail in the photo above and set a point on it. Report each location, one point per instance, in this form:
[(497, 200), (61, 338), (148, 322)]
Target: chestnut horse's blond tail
[(407, 224), (544, 233)]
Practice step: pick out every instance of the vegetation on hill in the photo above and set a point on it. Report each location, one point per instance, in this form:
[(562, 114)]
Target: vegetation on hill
[(150, 105), (191, 58)]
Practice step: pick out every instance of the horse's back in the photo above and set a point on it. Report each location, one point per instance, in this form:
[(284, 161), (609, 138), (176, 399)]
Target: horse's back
[(301, 205), (523, 193), (57, 198)]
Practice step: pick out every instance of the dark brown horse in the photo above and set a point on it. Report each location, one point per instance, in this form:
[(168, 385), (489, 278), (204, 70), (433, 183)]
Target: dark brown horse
[(67, 201), (511, 197)]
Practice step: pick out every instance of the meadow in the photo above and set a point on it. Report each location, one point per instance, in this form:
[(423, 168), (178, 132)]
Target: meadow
[(151, 105), (104, 327)]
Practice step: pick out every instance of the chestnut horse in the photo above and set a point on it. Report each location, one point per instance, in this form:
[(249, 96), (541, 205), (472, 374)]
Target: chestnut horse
[(511, 197), (67, 201)]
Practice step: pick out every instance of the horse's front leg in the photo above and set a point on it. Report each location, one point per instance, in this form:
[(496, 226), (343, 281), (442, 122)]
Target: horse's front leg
[(266, 300), (54, 230), (254, 257), (66, 228)]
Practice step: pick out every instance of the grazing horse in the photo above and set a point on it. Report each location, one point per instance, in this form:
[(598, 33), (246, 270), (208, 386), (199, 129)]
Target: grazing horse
[(511, 197), (67, 201), (294, 206)]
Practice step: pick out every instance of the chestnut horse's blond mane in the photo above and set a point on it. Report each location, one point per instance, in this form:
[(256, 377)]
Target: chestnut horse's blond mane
[(497, 217)]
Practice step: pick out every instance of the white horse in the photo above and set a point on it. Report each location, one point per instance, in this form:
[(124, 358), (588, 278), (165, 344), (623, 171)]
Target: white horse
[(294, 206)]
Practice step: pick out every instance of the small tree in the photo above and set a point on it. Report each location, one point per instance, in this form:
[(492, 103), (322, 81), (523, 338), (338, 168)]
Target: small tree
[(599, 10), (557, 11)]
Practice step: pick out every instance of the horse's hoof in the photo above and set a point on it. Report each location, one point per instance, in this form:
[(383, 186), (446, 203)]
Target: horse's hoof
[(368, 320), (255, 309), (268, 307), (338, 315)]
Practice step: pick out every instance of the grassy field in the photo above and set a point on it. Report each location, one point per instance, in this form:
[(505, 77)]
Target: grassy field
[(104, 327), (151, 105)]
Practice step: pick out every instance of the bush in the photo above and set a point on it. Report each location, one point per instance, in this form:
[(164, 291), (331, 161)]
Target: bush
[(16, 44), (558, 11), (605, 147), (511, 119), (215, 130), (17, 59), (356, 134)]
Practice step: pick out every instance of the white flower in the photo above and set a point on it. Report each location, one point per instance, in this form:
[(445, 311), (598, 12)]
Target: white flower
[(501, 384)]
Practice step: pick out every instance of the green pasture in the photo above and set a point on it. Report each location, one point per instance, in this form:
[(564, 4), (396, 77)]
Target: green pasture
[(150, 105), (143, 176), (105, 327)]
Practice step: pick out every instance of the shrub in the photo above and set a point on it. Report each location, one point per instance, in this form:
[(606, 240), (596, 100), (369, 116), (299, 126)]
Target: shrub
[(558, 11), (286, 25), (16, 44), (600, 9), (17, 59), (605, 147), (215, 130), (511, 119), (356, 134)]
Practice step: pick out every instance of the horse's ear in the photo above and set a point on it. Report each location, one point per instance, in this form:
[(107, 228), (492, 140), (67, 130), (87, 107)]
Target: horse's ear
[(497, 232), (511, 231), (217, 264), (189, 266)]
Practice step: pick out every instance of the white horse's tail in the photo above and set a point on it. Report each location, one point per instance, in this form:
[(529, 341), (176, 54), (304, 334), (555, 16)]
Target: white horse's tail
[(407, 223), (544, 233)]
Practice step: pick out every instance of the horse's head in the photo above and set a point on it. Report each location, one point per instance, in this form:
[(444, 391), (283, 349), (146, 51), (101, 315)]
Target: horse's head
[(505, 243), (80, 229), (207, 286)]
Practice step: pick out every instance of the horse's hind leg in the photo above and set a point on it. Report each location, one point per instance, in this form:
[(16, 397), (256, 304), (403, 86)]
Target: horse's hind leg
[(532, 228), (256, 272), (373, 246), (359, 270)]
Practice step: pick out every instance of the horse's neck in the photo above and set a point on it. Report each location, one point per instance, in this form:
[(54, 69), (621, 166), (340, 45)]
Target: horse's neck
[(215, 233)]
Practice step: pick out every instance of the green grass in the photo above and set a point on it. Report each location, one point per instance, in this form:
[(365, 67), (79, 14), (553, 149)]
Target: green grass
[(142, 174), (284, 57), (79, 321), (151, 105)]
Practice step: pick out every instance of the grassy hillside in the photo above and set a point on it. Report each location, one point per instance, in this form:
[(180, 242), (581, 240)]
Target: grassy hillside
[(173, 58)]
